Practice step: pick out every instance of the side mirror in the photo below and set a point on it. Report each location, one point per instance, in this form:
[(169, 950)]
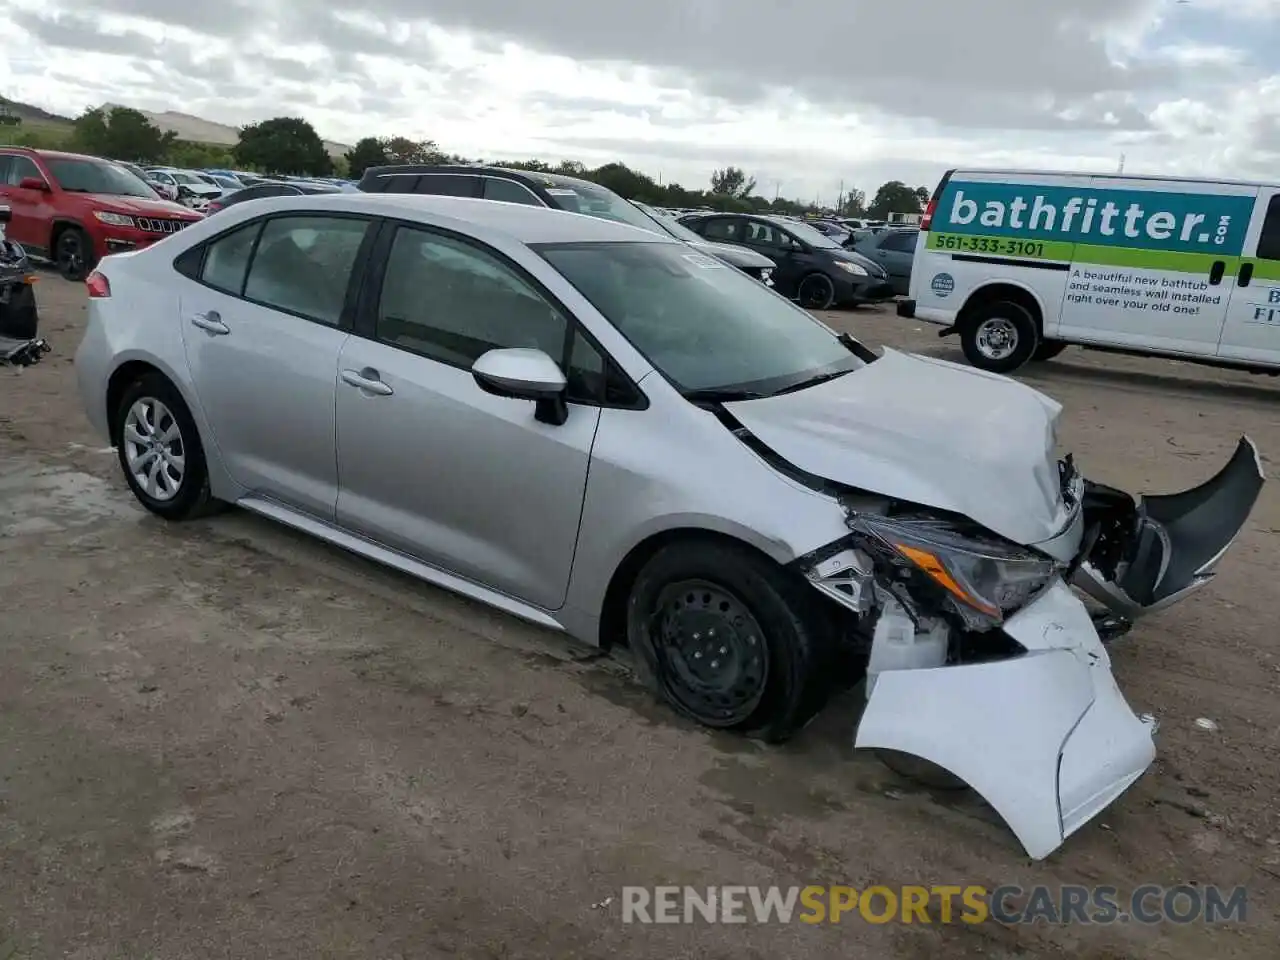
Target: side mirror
[(33, 183), (521, 373)]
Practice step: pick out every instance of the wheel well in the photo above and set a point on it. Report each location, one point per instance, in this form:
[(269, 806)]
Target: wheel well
[(124, 376), (996, 292), (613, 615)]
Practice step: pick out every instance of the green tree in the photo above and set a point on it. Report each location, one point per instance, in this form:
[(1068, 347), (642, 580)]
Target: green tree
[(186, 153), (283, 145), (854, 203), (120, 133), (367, 152), (624, 181), (732, 182), (896, 197), (404, 150)]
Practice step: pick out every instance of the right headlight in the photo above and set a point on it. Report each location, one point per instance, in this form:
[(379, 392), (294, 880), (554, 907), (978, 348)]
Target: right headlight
[(981, 577)]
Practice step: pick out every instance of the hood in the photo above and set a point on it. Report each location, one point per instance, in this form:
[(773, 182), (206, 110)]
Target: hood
[(738, 256), (141, 206), (928, 432)]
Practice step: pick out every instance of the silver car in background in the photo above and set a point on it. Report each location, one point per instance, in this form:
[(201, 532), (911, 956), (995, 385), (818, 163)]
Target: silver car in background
[(607, 433)]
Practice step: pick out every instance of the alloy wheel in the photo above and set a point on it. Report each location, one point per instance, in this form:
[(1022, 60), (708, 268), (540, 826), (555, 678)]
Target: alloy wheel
[(154, 449)]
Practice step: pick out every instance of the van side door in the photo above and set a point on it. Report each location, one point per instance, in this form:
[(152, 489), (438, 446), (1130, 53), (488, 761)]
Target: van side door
[(1151, 264), (1252, 328)]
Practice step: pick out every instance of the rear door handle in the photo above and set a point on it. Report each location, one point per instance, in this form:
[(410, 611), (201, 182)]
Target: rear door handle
[(1216, 271), (210, 323), (368, 381), (1246, 275)]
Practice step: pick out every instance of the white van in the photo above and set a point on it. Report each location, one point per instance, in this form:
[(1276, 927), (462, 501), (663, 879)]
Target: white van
[(1020, 264)]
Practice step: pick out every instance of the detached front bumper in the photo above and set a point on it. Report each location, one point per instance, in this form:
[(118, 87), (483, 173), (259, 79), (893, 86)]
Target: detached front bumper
[(1045, 737)]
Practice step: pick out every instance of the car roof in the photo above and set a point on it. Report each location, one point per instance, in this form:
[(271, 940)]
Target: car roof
[(524, 222)]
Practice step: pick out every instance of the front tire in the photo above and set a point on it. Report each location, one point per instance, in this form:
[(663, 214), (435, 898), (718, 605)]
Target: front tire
[(159, 450), (1000, 336), (726, 637), (817, 291), (73, 254)]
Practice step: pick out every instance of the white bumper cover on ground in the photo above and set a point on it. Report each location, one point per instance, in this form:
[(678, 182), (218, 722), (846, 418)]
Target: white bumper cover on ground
[(1046, 738)]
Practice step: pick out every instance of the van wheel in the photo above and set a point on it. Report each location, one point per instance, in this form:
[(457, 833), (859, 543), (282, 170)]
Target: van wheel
[(1048, 349), (999, 337), (728, 639)]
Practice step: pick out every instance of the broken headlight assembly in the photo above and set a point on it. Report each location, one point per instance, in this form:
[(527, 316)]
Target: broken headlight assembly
[(977, 576)]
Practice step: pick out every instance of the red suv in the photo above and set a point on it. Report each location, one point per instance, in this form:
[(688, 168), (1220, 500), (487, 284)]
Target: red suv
[(74, 210)]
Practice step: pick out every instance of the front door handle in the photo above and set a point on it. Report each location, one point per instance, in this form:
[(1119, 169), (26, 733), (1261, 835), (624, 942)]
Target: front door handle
[(211, 323), (1245, 276), (368, 381)]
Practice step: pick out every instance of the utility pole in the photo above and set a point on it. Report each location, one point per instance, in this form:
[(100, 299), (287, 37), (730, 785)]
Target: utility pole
[(1121, 168), (840, 197), (777, 189)]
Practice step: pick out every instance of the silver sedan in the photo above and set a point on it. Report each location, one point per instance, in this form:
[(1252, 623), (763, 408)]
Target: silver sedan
[(607, 433)]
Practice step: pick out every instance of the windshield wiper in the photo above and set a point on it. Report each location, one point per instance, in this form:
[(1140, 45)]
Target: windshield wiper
[(719, 395), (858, 348), (810, 382)]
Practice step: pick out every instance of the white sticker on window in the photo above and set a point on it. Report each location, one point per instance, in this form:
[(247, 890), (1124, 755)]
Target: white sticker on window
[(702, 260), (561, 192)]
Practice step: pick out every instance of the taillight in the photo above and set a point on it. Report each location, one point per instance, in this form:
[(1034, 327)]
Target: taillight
[(213, 207), (928, 214), (98, 285)]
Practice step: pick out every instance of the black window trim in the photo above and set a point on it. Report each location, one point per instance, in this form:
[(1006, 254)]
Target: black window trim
[(1270, 219), (370, 294), (346, 320)]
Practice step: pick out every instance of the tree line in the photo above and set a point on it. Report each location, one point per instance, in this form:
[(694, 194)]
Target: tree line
[(290, 145)]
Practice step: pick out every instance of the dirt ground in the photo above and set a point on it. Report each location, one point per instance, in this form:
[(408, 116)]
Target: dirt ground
[(225, 740)]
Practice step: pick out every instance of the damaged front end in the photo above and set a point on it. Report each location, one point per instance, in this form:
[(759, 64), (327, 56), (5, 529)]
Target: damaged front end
[(983, 661)]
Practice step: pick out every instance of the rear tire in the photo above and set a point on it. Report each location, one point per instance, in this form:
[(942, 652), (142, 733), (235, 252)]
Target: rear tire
[(999, 336), (1047, 350), (159, 450), (726, 638)]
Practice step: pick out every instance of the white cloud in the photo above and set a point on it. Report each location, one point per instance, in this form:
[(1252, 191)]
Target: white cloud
[(802, 95)]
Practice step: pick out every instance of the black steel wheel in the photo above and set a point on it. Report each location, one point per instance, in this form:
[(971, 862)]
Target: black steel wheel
[(817, 292), (729, 638)]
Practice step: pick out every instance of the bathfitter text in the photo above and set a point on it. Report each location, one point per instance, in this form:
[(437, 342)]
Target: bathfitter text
[(1081, 215)]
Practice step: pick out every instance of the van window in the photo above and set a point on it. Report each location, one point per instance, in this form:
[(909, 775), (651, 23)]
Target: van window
[(448, 185), (400, 183), (1269, 240)]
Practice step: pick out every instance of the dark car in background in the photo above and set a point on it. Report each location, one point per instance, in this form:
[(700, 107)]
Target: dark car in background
[(269, 189), (549, 190), (895, 250), (810, 267)]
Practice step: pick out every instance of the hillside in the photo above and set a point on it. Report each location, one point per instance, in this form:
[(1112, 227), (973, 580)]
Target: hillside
[(198, 130), (184, 125)]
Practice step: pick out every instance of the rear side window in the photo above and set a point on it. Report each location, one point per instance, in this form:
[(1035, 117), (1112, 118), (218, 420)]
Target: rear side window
[(6, 164), (303, 265), (227, 259), (448, 185), (399, 183), (509, 191), (1269, 240)]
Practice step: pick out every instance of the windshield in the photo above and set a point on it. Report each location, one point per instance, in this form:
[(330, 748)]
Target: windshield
[(704, 325), (577, 196), (813, 237), (97, 176), (670, 225)]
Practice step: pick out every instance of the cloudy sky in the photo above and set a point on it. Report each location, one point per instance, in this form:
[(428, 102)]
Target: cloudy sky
[(802, 93)]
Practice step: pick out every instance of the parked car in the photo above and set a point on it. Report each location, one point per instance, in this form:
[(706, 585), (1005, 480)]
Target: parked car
[(74, 209), (567, 419), (749, 262), (895, 250), (809, 266), (269, 188), (192, 190)]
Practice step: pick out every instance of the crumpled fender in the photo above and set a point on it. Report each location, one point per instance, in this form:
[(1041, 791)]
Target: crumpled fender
[(1046, 738)]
